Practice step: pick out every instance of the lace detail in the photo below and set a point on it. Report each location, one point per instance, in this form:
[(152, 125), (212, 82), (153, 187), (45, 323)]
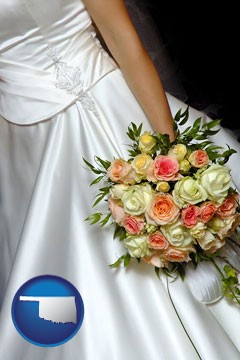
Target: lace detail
[(70, 79)]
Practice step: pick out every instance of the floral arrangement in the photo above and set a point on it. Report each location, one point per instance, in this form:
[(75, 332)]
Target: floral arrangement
[(172, 202)]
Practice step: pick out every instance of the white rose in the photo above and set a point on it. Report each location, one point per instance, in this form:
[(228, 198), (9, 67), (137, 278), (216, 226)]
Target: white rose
[(216, 180), (136, 199), (188, 191), (177, 234), (137, 246)]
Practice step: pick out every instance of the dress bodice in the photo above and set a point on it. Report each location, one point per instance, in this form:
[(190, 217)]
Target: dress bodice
[(49, 54)]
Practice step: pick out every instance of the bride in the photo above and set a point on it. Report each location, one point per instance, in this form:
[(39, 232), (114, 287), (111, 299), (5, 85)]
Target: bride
[(62, 97)]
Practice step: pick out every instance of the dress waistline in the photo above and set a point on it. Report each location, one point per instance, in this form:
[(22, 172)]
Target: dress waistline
[(29, 95)]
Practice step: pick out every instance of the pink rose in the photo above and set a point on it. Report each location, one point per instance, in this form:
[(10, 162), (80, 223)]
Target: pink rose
[(228, 207), (198, 158), (133, 224), (158, 241), (207, 211), (164, 167), (116, 209), (174, 254), (162, 210), (118, 170), (189, 216)]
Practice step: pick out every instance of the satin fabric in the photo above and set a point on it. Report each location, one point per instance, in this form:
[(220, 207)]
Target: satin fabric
[(45, 197)]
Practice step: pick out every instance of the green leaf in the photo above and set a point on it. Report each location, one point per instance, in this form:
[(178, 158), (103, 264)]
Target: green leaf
[(116, 264), (104, 163), (127, 259), (99, 198), (211, 124), (97, 180), (95, 170), (105, 219), (94, 218)]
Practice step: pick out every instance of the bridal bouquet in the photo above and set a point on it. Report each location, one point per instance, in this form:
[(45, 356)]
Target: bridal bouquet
[(171, 203)]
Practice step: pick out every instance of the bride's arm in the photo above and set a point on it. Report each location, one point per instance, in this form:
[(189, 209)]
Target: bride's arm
[(112, 19)]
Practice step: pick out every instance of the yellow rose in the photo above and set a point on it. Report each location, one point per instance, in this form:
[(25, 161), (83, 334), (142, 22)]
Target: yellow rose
[(140, 163), (163, 186), (179, 151), (146, 142)]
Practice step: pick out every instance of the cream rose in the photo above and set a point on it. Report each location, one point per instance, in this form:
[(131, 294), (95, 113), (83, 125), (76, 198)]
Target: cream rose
[(137, 246), (136, 199), (210, 241), (118, 190), (188, 191), (198, 231), (230, 225), (216, 181), (177, 234)]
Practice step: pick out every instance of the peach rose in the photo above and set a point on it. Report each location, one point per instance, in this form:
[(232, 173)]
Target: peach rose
[(229, 206), (164, 167), (116, 209), (162, 210), (118, 170), (173, 254), (158, 241), (198, 158), (189, 215), (207, 211), (155, 260), (133, 224)]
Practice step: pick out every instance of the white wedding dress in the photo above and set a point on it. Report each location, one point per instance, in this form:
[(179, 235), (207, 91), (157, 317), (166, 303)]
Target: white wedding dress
[(63, 98)]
